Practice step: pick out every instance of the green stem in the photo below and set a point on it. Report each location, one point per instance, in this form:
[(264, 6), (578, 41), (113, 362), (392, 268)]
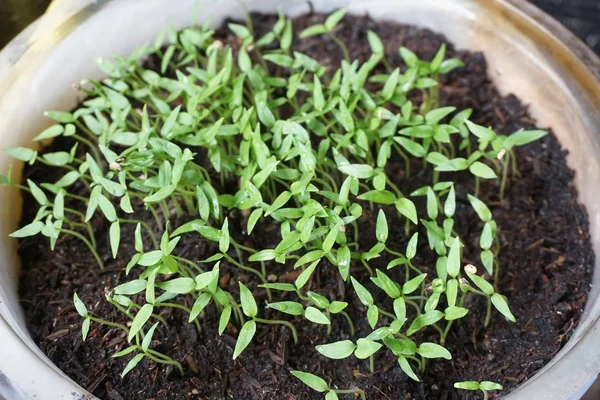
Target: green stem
[(87, 243), (350, 323), (170, 362), (341, 44), (279, 322)]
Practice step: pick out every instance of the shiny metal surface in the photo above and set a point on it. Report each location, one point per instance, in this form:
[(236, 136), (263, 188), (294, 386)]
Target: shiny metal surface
[(529, 54)]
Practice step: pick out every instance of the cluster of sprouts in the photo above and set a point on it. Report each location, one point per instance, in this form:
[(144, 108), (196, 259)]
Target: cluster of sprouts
[(266, 131)]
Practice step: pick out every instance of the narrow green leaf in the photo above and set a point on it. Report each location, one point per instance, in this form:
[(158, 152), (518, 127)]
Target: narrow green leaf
[(115, 237), (248, 303), (432, 350), (481, 170), (365, 348), (501, 305), (244, 338), (312, 381), (132, 364), (140, 319), (316, 316), (337, 350)]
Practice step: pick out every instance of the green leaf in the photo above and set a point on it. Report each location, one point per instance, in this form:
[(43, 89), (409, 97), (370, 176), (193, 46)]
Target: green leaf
[(22, 153), (453, 266), (365, 348), (381, 228), (37, 193), (432, 350), (450, 64), (287, 307), (318, 99), (313, 31), (224, 238), (386, 284), (521, 138), (337, 350), (407, 208), (481, 170), (432, 204), (224, 319), (178, 285), (131, 287), (125, 351), (331, 395), (372, 316), (412, 147), (303, 278), (132, 364), (450, 204), (407, 368), (435, 116), (316, 316), (410, 58), (482, 284), (107, 208), (390, 85), (438, 58), (363, 294), (199, 304), (423, 320), (140, 319), (411, 248), (451, 291), (487, 385), (467, 385), (239, 30), (337, 306), (312, 381), (248, 303), (79, 306), (375, 42), (413, 284), (480, 208), (335, 18), (501, 305), (453, 313), (309, 257), (253, 219), (244, 338), (379, 197), (148, 338), (263, 255), (53, 131), (481, 132), (115, 237), (284, 287), (487, 259), (29, 230)]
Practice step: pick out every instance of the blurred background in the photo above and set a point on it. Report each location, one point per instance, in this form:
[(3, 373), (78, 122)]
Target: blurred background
[(580, 16)]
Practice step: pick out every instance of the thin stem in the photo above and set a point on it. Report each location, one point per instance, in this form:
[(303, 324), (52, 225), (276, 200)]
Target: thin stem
[(350, 324), (280, 322), (372, 364), (341, 44), (488, 312), (87, 243), (170, 362)]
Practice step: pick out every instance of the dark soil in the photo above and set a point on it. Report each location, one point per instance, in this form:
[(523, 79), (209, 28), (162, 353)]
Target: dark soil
[(546, 264)]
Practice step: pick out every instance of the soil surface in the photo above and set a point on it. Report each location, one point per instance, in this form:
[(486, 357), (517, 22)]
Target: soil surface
[(546, 267)]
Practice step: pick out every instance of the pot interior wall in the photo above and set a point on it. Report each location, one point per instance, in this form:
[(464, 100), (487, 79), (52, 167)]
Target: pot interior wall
[(522, 58)]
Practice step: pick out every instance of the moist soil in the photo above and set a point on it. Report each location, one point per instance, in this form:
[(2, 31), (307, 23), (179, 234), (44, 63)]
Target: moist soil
[(546, 265)]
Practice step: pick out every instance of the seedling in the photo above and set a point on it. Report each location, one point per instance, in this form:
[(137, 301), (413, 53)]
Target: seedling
[(263, 133)]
